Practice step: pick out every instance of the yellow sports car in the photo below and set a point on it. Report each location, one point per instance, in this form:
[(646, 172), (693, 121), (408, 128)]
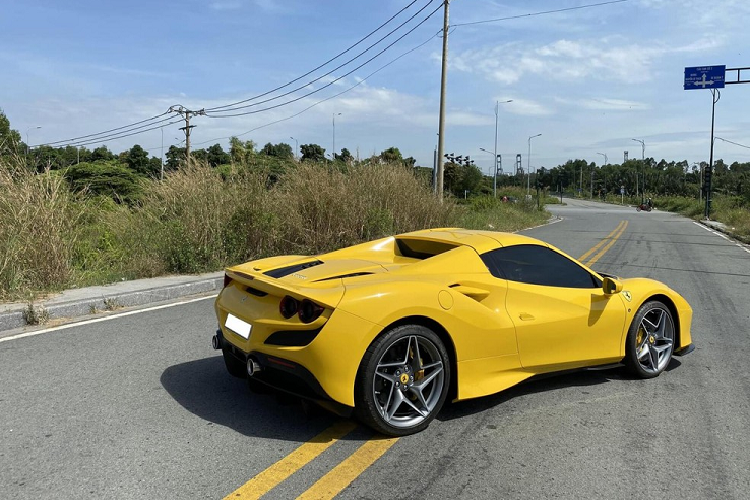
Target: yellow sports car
[(391, 328)]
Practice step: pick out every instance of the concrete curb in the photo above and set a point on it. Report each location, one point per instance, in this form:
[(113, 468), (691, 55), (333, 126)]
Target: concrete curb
[(721, 227), (98, 302)]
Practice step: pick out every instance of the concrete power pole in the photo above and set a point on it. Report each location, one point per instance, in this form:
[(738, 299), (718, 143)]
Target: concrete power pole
[(186, 115), (441, 127)]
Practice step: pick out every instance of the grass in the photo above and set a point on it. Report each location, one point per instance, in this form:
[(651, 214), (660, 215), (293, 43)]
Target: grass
[(733, 211), (202, 219)]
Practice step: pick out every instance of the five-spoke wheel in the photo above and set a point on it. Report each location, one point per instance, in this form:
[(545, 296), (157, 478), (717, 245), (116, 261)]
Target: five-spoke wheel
[(403, 380), (650, 340)]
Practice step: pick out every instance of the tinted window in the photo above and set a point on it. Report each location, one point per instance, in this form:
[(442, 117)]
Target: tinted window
[(537, 265)]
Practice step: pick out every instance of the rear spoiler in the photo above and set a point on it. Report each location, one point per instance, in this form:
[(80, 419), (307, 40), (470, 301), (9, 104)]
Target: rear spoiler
[(327, 293)]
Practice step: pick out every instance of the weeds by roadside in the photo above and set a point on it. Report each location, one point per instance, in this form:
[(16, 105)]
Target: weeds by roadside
[(201, 219)]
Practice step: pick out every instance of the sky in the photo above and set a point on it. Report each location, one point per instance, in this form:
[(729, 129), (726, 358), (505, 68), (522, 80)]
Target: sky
[(588, 80)]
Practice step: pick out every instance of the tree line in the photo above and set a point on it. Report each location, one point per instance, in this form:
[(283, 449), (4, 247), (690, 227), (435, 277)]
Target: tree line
[(100, 171)]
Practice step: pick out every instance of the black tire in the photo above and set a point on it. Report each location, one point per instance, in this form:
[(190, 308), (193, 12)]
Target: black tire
[(638, 208), (412, 388), (650, 343), (235, 367)]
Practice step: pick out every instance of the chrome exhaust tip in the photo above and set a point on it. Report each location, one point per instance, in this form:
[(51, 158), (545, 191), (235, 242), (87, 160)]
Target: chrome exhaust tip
[(216, 342), (252, 366)]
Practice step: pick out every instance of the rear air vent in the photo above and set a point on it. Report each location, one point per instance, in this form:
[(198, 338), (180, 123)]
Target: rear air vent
[(350, 275), (286, 271)]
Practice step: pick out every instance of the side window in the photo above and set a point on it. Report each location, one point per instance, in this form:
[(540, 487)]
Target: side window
[(537, 265)]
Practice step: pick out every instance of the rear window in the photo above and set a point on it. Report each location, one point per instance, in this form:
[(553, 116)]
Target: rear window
[(422, 249)]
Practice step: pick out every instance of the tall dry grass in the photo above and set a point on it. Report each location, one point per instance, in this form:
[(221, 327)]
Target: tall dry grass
[(201, 219), (39, 228)]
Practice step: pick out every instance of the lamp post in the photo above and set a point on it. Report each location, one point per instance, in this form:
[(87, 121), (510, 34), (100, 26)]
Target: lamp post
[(494, 167), (528, 164), (497, 109), (643, 167), (592, 174), (333, 121), (296, 147), (27, 137)]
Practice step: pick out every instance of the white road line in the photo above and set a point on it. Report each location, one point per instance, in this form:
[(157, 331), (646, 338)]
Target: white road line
[(106, 318), (740, 245)]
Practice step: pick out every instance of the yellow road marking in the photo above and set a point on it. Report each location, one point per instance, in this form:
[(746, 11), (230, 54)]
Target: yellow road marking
[(598, 256), (596, 247), (347, 471), (278, 472)]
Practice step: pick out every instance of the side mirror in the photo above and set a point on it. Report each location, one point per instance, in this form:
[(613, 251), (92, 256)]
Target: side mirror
[(611, 286)]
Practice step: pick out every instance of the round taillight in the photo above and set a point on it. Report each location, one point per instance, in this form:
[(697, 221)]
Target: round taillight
[(309, 311), (288, 307)]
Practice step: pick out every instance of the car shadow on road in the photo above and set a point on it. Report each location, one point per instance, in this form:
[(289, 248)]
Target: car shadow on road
[(546, 383), (204, 388)]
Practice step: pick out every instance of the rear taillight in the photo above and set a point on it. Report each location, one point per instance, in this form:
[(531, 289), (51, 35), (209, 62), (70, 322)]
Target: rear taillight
[(288, 307), (227, 280), (309, 311)]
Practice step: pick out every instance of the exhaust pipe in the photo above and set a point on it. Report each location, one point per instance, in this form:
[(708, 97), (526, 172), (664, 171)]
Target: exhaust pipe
[(253, 366), (216, 340)]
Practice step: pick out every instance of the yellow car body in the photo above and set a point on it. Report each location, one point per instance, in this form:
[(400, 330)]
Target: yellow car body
[(496, 331)]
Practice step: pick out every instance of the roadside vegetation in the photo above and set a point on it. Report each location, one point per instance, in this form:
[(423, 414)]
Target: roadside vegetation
[(58, 232)]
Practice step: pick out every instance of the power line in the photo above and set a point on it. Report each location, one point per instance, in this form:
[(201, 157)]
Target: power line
[(126, 129), (77, 139), (322, 65), (334, 80), (731, 142), (519, 16), (235, 108), (122, 135), (360, 82)]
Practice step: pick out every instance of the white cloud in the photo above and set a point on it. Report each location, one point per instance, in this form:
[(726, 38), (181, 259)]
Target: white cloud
[(609, 58)]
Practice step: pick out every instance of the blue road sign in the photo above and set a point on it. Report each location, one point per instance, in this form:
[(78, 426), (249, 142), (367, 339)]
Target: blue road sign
[(704, 77)]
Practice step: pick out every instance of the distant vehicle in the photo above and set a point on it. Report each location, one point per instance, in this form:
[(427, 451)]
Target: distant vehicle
[(391, 328), (643, 206)]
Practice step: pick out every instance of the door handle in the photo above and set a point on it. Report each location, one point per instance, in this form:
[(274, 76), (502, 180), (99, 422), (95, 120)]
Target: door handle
[(526, 317)]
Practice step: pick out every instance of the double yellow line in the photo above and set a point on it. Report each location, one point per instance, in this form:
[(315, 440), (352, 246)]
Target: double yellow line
[(330, 484), (606, 243)]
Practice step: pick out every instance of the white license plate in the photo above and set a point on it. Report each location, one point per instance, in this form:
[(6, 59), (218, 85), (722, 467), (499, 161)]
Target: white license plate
[(238, 326)]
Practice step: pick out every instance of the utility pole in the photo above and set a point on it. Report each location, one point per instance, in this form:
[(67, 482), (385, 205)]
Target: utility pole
[(186, 115), (715, 96), (441, 126), (643, 168)]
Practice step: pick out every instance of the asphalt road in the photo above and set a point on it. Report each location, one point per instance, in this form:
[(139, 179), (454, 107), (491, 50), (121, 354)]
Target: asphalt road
[(142, 407)]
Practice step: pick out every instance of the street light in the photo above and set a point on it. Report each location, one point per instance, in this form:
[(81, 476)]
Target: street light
[(333, 121), (643, 167), (528, 164), (592, 174), (494, 185), (27, 137), (296, 147), (494, 182)]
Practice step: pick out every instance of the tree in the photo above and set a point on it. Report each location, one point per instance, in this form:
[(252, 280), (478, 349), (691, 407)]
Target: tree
[(280, 150), (10, 140), (240, 151), (216, 156), (175, 157), (101, 153), (312, 152), (137, 160), (105, 178), (391, 155), (345, 156)]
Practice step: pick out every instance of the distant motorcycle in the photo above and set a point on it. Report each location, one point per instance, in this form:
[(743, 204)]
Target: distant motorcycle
[(643, 206)]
